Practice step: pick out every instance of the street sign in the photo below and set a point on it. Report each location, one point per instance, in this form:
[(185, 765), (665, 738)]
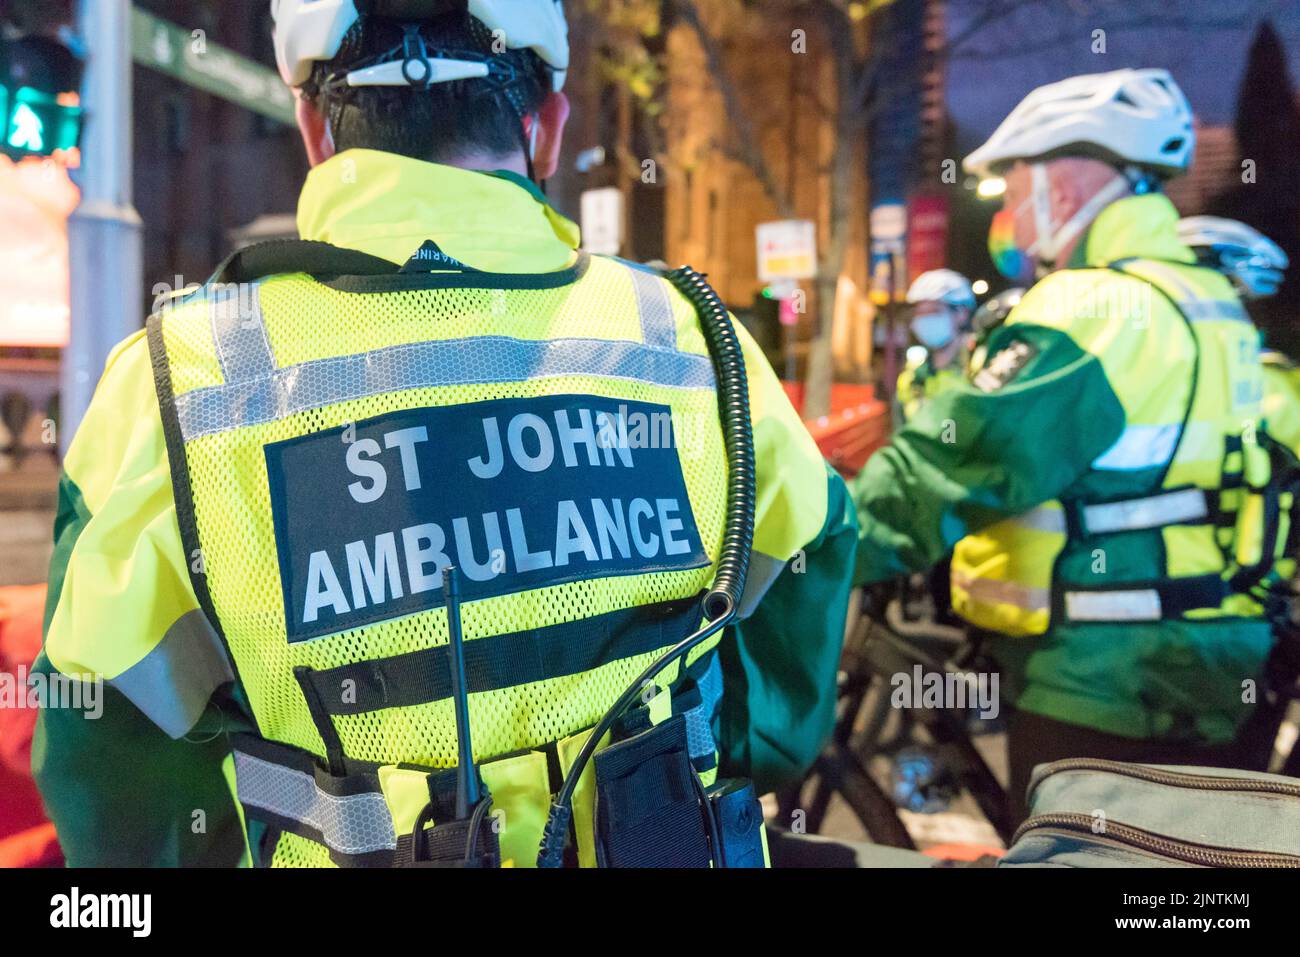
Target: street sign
[(602, 221), (927, 239), (787, 249), (888, 246), (191, 57)]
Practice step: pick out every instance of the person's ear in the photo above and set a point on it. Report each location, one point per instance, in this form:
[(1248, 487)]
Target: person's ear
[(550, 120), (315, 132)]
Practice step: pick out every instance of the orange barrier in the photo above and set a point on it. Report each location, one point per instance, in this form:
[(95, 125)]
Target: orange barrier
[(857, 425), (21, 610), (26, 838), (35, 847)]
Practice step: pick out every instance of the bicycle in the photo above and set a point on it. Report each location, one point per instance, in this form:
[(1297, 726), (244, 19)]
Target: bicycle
[(883, 644)]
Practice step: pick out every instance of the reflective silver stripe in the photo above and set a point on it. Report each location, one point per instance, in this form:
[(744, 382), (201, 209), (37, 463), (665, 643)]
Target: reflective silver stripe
[(1213, 310), (238, 332), (1195, 307), (1138, 604), (763, 571), (995, 590), (350, 824), (658, 328), (1042, 519), (476, 360), (1140, 447), (1154, 511), (699, 720), (1169, 275), (172, 684)]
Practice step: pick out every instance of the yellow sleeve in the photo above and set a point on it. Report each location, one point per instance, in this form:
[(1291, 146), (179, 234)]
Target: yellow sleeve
[(146, 782), (121, 603), (791, 471)]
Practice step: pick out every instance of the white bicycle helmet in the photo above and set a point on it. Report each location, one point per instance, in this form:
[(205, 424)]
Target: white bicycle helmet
[(1128, 117), (307, 31), (942, 285), (1250, 259)]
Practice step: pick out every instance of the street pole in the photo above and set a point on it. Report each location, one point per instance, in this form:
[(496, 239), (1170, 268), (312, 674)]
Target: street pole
[(891, 324), (105, 232)]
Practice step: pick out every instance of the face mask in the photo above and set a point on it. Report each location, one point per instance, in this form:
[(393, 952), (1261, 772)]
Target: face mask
[(934, 330), (1007, 259)]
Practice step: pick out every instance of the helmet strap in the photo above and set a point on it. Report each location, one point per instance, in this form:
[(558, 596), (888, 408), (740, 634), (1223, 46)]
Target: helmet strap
[(528, 139), (415, 57), (1052, 239)]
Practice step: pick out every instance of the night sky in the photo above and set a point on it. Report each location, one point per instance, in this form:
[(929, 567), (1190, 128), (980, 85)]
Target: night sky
[(1203, 44)]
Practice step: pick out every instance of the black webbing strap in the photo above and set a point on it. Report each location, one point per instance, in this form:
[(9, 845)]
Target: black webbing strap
[(1118, 266), (1181, 595), (278, 256), (320, 716), (1177, 595), (504, 661), (183, 491), (348, 270)]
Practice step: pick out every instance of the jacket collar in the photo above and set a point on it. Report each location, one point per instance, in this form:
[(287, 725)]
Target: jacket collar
[(1136, 227), (389, 206)]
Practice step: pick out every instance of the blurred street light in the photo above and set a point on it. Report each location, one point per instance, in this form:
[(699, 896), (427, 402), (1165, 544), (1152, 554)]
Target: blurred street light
[(589, 159)]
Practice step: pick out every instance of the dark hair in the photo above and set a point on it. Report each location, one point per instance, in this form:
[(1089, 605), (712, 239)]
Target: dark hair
[(445, 121)]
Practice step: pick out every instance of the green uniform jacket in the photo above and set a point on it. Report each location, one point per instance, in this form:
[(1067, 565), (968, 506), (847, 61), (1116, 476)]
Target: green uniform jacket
[(976, 456), (919, 382), (150, 781)]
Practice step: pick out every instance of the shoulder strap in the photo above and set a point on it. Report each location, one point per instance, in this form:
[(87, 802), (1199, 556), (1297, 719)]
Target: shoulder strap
[(353, 271), (278, 256), (1164, 277), (1179, 307)]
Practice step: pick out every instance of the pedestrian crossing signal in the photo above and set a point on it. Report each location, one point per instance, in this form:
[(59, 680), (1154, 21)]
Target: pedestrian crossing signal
[(37, 123), (27, 131)]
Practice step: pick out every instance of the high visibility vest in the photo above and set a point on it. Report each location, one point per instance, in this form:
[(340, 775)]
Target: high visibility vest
[(336, 441), (920, 381), (1172, 515), (1281, 407)]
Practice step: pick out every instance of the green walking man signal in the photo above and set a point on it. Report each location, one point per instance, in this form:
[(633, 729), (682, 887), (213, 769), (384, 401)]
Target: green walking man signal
[(36, 123)]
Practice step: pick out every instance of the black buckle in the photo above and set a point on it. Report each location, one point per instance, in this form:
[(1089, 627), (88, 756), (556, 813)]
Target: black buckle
[(414, 52)]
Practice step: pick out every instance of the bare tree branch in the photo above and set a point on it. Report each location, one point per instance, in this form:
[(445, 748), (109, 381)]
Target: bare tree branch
[(747, 146), (990, 14)]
